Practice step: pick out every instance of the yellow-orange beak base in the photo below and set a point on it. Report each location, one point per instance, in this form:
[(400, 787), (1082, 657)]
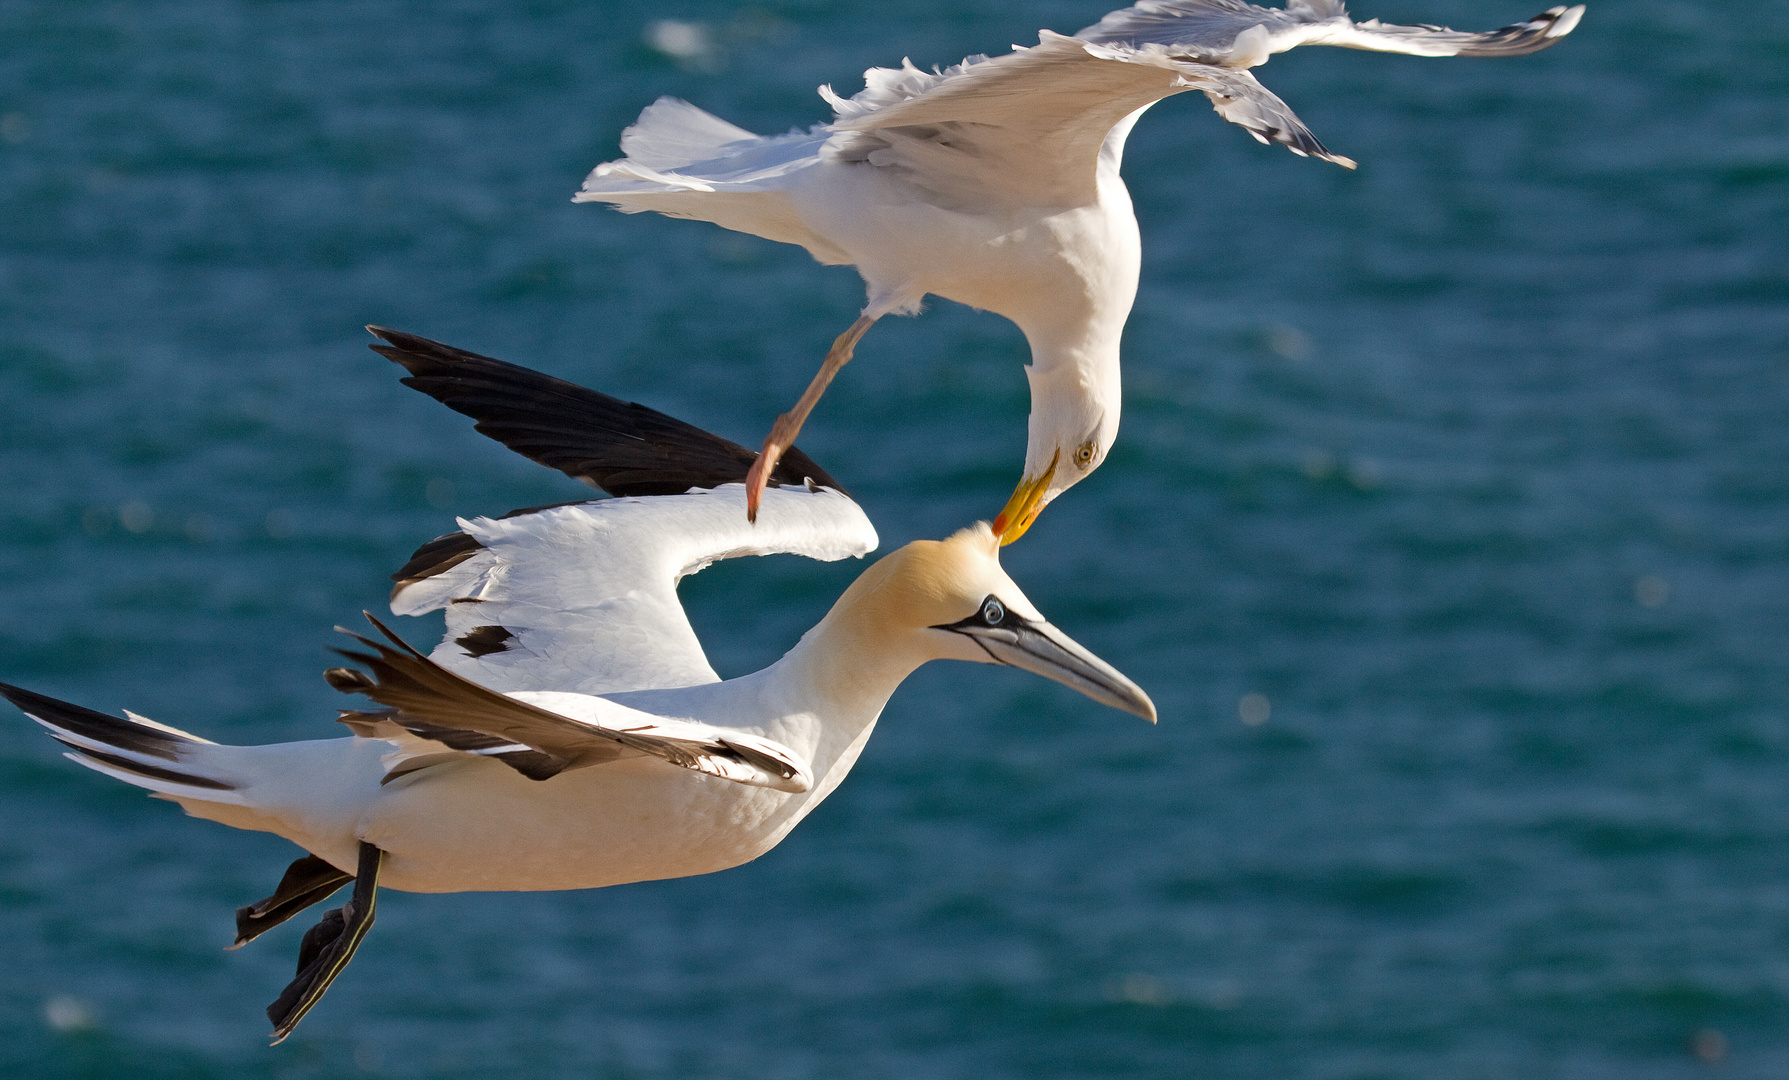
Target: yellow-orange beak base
[(1026, 503)]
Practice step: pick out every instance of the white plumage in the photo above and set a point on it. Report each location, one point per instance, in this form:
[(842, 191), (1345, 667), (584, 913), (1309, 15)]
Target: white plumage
[(453, 819), (995, 183), (569, 732), (589, 592)]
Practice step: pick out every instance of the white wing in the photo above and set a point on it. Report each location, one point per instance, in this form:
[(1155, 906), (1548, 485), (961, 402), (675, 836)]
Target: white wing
[(1030, 125), (1209, 29), (1035, 119), (583, 598), (1239, 34), (1024, 128)]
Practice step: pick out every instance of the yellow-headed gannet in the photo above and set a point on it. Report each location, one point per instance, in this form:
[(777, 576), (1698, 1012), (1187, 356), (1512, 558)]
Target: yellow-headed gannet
[(995, 183), (568, 732)]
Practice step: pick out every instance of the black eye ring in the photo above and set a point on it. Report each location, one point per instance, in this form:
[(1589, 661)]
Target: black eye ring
[(992, 612)]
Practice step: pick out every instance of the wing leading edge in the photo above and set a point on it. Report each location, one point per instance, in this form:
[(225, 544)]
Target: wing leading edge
[(582, 597)]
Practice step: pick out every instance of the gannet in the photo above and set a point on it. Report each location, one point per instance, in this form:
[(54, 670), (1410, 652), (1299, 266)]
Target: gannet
[(568, 731), (995, 183)]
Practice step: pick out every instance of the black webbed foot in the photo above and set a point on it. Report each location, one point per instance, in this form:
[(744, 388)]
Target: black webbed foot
[(321, 936), (307, 881), (328, 946)]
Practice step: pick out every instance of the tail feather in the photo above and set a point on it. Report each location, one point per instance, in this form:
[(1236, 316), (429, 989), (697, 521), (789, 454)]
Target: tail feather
[(671, 134), (86, 754), (131, 748), (133, 733), (683, 162)]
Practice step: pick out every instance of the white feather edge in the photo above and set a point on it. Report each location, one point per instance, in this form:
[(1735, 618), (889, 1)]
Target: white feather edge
[(412, 755), (707, 741), (158, 785), (682, 534)]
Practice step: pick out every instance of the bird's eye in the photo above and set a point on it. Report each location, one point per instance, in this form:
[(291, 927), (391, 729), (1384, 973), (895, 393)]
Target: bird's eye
[(992, 612), (1084, 456)]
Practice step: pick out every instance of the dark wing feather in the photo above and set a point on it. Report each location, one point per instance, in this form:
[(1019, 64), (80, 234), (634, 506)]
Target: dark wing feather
[(620, 447), (433, 703), (111, 730)]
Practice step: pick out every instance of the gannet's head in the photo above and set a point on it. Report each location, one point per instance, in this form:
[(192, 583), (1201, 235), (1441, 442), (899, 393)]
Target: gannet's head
[(955, 597), (1074, 419)]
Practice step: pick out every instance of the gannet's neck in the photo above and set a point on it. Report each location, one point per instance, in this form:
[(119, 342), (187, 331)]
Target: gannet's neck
[(848, 666), (825, 694)]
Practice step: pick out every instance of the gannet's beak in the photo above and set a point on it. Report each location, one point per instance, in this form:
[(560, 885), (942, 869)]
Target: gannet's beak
[(1026, 503), (1044, 650)]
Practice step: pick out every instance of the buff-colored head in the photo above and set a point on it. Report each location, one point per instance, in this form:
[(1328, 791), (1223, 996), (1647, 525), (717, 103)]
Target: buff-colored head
[(931, 582), (951, 600)]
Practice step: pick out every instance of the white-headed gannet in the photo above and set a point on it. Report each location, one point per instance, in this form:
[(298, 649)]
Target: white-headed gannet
[(568, 733), (995, 183)]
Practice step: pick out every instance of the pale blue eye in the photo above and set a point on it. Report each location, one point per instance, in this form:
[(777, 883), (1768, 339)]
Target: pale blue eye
[(992, 612)]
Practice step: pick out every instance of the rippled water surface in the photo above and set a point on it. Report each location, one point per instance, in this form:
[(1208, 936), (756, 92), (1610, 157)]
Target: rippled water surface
[(1463, 478)]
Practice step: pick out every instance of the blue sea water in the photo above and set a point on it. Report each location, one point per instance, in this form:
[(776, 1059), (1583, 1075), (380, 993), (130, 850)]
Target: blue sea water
[(1468, 470)]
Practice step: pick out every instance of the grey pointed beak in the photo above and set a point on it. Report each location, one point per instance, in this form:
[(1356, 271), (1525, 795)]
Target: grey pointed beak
[(1044, 650)]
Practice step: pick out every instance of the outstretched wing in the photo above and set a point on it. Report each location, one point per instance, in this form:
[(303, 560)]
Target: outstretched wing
[(617, 446), (583, 597), (1025, 128), (1030, 125), (1233, 32), (430, 702)]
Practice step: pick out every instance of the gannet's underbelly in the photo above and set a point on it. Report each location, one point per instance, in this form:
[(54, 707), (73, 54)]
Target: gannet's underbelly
[(481, 826)]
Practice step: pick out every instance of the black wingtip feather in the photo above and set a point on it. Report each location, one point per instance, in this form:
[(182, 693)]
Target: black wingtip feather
[(392, 635), (621, 447)]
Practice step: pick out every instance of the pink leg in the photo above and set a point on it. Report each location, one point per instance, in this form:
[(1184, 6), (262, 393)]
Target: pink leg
[(788, 425)]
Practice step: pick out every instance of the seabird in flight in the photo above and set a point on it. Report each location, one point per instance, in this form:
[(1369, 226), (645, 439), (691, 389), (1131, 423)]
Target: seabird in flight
[(568, 732), (995, 183)]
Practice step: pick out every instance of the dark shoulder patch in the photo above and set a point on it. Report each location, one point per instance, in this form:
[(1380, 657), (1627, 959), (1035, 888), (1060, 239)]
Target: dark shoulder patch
[(441, 554), (484, 640)]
